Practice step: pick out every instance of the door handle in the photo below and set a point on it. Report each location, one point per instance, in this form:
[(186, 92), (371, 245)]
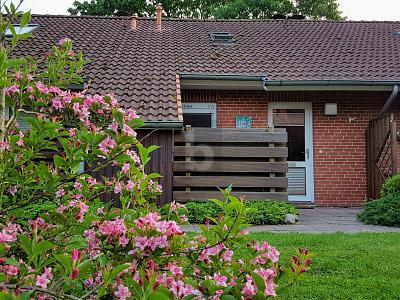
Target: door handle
[(307, 154)]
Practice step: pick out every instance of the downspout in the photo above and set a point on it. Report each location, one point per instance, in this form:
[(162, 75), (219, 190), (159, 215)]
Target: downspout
[(389, 101)]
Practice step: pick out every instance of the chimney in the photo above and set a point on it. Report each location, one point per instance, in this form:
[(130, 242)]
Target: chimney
[(159, 14), (133, 23)]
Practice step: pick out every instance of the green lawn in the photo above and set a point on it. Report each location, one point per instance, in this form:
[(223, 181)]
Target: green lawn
[(345, 266)]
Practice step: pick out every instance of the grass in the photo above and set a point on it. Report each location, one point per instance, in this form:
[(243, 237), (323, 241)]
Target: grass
[(345, 266)]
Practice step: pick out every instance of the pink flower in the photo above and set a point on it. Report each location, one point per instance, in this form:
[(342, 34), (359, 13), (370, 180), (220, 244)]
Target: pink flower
[(60, 193), (113, 127), (180, 290), (175, 270), (4, 146), (76, 255), (106, 144), (9, 270), (42, 88), (42, 281), (72, 132), (227, 256), (123, 241), (125, 168), (122, 293), (78, 185), (273, 254), (18, 76), (220, 280), (113, 229), (118, 188), (11, 90), (13, 190), (131, 114), (249, 290), (91, 180), (128, 131), (268, 275), (130, 185), (57, 104), (63, 41), (74, 274), (5, 238), (61, 209)]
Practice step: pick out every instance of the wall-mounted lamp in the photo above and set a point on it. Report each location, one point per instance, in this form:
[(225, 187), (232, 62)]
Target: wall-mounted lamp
[(330, 109)]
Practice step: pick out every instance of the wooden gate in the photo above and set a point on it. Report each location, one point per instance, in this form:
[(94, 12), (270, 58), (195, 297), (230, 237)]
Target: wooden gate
[(252, 160), (381, 146)]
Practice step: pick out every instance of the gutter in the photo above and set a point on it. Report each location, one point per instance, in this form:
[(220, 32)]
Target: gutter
[(389, 101), (162, 125), (222, 77), (268, 83)]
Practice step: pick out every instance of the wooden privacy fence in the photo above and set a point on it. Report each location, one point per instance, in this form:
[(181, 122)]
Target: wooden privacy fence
[(381, 146), (252, 160)]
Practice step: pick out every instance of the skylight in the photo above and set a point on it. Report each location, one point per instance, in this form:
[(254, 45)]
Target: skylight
[(222, 37), (21, 30)]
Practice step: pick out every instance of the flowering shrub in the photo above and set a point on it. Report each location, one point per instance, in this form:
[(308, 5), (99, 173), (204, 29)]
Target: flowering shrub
[(85, 249)]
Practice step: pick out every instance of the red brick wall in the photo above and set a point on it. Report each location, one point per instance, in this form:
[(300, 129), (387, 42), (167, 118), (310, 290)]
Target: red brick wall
[(339, 145)]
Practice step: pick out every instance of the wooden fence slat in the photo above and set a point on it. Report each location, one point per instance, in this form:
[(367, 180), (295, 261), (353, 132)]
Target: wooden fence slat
[(183, 196), (222, 151), (230, 166), (226, 136), (224, 181), (381, 153)]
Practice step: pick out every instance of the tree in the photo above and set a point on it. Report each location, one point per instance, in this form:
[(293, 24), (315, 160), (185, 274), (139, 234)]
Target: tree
[(224, 9), (82, 248)]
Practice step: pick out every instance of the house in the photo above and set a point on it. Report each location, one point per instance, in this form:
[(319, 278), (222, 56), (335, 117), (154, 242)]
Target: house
[(322, 81)]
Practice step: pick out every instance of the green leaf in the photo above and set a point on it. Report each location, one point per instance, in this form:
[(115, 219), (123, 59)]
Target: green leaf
[(159, 296), (65, 262), (26, 245), (227, 297), (42, 247), (13, 262), (259, 281), (25, 19), (85, 268), (115, 271)]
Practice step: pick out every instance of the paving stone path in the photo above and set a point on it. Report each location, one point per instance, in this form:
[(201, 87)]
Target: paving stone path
[(321, 220)]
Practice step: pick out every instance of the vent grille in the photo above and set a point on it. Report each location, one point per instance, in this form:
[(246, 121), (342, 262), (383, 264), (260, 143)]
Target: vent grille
[(222, 37)]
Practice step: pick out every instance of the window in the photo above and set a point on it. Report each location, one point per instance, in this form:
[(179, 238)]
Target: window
[(21, 120), (293, 121), (197, 120), (222, 37), (199, 114), (21, 30)]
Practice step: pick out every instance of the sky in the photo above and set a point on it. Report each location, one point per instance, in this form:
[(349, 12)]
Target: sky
[(382, 10)]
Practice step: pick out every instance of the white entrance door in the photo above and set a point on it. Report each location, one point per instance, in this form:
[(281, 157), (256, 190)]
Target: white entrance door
[(296, 118)]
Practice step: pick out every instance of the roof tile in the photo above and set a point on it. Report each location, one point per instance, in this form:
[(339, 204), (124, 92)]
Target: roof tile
[(140, 66)]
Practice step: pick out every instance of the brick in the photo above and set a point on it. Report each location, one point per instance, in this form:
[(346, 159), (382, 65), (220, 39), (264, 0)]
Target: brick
[(340, 170)]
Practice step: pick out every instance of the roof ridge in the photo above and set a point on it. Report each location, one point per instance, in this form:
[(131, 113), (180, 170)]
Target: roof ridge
[(81, 16), (213, 20)]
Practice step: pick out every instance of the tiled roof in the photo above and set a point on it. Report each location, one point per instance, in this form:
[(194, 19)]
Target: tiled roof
[(140, 66)]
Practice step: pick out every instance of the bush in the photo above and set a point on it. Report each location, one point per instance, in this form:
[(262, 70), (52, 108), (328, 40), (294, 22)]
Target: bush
[(35, 210), (262, 212), (269, 212), (391, 186), (385, 211)]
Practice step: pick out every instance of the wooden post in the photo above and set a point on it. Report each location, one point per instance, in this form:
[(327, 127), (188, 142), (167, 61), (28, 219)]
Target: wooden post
[(393, 139), (188, 158), (271, 159)]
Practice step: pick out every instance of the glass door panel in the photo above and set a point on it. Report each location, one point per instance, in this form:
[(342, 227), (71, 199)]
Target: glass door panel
[(296, 119)]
